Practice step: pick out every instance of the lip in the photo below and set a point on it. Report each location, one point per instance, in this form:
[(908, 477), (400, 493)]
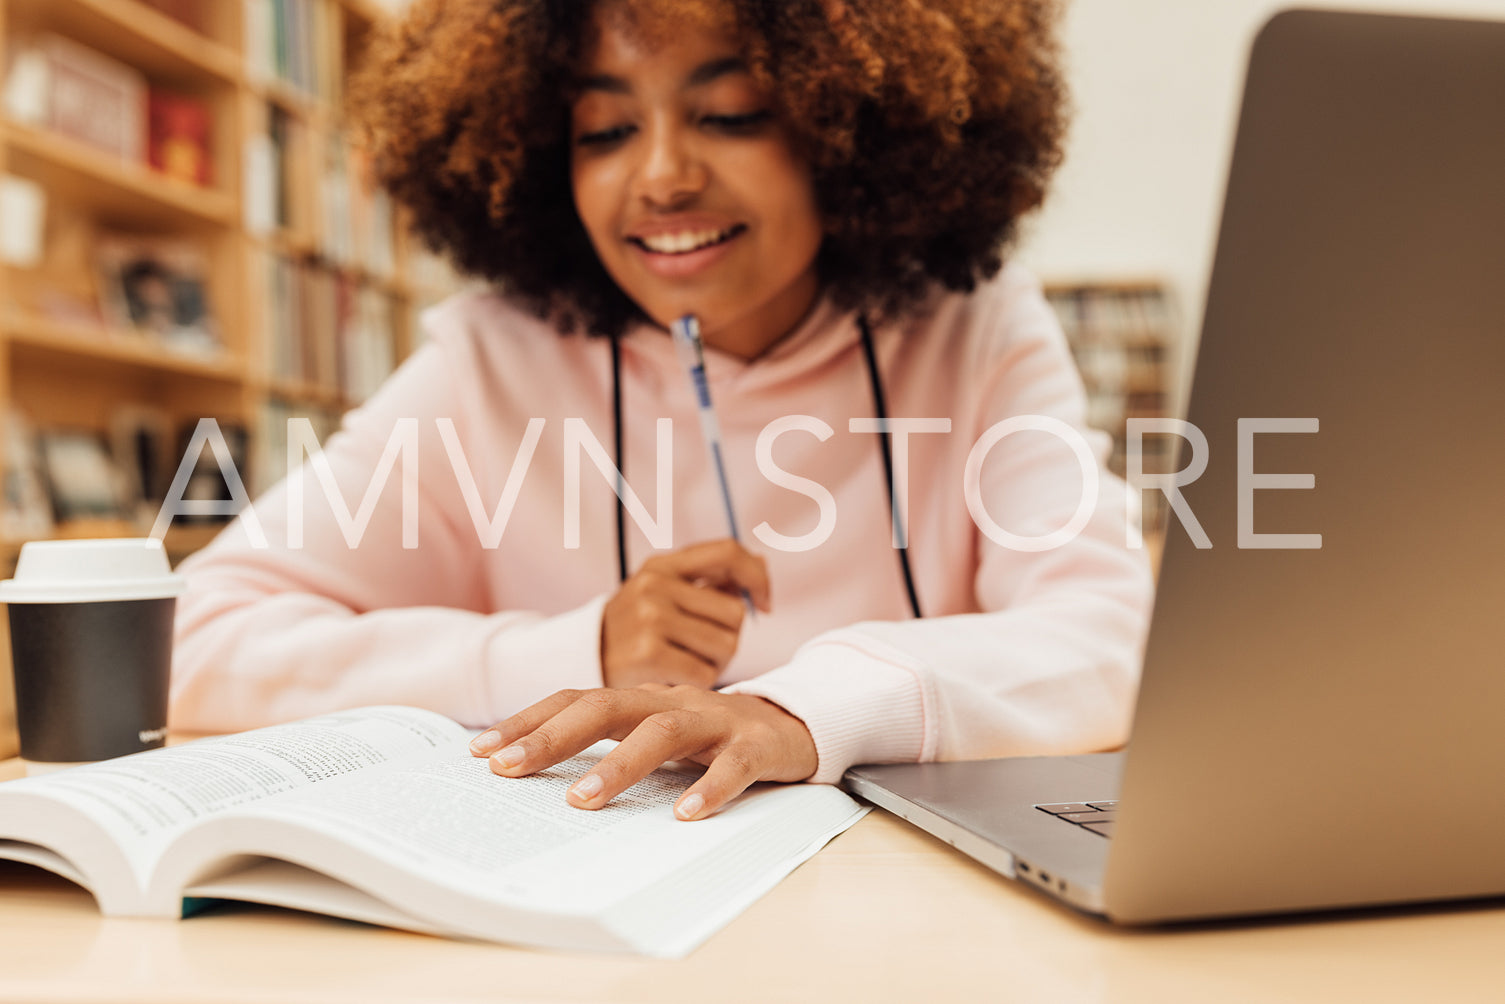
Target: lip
[(683, 266)]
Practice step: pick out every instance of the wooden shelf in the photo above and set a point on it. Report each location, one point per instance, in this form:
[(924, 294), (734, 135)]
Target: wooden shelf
[(390, 285), (288, 243), (122, 194), (299, 392), (289, 99), (101, 344), (1104, 284), (133, 33), (83, 375), (304, 247)]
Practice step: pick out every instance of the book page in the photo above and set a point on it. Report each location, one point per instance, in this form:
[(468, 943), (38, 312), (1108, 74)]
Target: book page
[(277, 883), (458, 824), (454, 845), (31, 854), (145, 800)]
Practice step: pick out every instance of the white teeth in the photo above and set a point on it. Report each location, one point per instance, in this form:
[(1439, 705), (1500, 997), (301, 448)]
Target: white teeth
[(684, 242)]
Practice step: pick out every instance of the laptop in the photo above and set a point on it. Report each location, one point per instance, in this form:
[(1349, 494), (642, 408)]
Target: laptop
[(1317, 727)]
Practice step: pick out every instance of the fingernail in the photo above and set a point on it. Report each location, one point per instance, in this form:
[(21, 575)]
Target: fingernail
[(510, 757), (690, 807), (485, 742), (587, 788)]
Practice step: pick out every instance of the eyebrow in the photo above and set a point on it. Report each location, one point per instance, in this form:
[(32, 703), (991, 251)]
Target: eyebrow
[(702, 75)]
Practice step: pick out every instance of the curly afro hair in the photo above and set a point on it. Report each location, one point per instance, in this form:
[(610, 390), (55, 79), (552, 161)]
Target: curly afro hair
[(931, 127)]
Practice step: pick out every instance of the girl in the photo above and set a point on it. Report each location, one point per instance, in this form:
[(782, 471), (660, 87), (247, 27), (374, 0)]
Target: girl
[(828, 186)]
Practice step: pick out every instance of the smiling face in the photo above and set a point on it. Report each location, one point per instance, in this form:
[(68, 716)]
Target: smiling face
[(689, 187)]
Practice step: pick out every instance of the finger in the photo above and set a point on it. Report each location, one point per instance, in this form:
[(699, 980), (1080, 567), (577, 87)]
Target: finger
[(713, 642), (659, 738), (522, 723), (643, 634), (711, 604), (729, 774), (593, 716), (725, 564)]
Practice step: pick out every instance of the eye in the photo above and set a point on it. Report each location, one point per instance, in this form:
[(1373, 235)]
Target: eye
[(747, 123), (604, 137)]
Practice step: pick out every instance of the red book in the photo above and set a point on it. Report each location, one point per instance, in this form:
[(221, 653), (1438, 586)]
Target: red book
[(178, 137)]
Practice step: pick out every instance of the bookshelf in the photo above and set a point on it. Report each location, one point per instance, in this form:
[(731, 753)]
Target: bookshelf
[(256, 275), (1121, 332), (238, 171)]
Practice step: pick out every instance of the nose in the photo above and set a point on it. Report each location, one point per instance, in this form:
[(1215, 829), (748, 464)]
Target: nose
[(672, 172)]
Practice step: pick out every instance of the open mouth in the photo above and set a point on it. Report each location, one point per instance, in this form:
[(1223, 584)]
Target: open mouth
[(686, 243)]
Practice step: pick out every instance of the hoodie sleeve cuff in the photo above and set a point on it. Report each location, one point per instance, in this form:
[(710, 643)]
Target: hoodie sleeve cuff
[(526, 662), (860, 705)]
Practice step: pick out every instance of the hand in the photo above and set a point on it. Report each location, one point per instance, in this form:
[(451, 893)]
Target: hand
[(740, 738), (676, 620)]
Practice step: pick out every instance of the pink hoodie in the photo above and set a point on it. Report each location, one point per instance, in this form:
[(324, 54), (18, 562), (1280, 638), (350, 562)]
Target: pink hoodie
[(1020, 651)]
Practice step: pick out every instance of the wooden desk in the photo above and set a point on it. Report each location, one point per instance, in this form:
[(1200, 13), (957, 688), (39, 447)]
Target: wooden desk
[(885, 913)]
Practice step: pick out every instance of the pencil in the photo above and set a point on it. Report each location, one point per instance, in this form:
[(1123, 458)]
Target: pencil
[(686, 334)]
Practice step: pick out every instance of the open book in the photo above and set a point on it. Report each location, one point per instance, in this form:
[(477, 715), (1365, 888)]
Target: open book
[(381, 815)]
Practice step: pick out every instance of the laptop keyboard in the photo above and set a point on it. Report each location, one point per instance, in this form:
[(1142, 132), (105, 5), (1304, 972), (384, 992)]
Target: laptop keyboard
[(1095, 816)]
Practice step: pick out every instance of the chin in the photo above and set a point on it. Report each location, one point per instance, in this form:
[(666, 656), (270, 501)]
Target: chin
[(665, 314)]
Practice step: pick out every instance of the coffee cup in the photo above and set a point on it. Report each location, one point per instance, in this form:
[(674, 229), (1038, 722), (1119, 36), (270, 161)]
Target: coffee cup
[(91, 647)]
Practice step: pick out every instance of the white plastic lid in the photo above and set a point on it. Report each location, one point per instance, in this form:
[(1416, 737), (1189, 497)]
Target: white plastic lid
[(92, 571)]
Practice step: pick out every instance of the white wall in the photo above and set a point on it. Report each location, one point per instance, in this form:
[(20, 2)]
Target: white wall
[(1156, 86)]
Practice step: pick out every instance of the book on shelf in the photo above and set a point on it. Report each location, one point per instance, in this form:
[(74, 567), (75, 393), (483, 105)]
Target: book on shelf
[(290, 319), (179, 132), (206, 479), (270, 456), (320, 322), (82, 478), (269, 173), (367, 348), (284, 135), (143, 445), (358, 216), (70, 89), (26, 510), (257, 31), (327, 331), (157, 287), (1119, 336), (23, 210), (382, 815), (1120, 333), (260, 169), (283, 318), (291, 41)]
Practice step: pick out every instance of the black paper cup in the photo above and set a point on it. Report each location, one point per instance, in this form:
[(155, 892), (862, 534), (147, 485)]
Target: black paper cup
[(91, 647)]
